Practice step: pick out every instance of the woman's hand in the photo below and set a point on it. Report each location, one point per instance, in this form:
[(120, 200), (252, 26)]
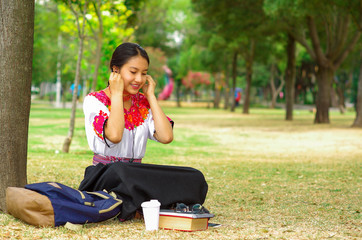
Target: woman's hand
[(116, 84), (149, 87), (115, 124), (164, 132)]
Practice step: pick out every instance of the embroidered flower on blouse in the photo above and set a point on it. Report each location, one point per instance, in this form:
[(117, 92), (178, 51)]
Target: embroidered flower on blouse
[(138, 112), (99, 123), (102, 97), (133, 117)]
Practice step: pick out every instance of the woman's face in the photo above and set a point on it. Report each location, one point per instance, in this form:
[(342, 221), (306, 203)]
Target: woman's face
[(134, 74)]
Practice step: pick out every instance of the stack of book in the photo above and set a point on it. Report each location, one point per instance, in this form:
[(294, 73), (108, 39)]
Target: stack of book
[(184, 221)]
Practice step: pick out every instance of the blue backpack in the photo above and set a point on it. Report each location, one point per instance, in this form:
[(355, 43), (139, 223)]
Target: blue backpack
[(78, 207)]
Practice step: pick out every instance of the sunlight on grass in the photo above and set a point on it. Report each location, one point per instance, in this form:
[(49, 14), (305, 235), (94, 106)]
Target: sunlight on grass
[(268, 178)]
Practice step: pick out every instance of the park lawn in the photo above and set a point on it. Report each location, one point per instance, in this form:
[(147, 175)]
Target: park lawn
[(268, 178)]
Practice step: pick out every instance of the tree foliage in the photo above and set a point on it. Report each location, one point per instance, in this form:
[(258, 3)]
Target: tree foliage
[(241, 39)]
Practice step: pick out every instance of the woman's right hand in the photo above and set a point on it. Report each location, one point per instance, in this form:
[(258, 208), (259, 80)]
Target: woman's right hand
[(116, 84), (115, 124)]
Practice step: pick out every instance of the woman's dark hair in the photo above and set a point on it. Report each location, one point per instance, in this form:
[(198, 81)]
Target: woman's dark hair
[(126, 51)]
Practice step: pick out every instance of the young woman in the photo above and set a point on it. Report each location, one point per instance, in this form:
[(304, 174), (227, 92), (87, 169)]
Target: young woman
[(120, 119)]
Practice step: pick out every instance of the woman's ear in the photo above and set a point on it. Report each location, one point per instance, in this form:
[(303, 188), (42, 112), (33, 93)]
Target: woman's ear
[(115, 69)]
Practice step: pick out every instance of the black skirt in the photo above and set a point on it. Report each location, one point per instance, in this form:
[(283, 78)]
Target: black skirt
[(135, 183)]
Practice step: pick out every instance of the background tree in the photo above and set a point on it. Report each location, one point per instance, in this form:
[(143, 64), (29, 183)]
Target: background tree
[(165, 25), (215, 60), (240, 23), (208, 43), (328, 30), (56, 18), (151, 24), (79, 10), (16, 47), (290, 74), (98, 36), (107, 22), (275, 90), (45, 42), (281, 28), (343, 80)]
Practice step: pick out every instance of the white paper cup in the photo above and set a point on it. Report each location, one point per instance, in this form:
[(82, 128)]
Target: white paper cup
[(151, 214)]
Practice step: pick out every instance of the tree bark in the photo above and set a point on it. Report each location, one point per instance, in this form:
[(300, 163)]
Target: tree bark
[(16, 48), (290, 73), (358, 121), (235, 65), (323, 100)]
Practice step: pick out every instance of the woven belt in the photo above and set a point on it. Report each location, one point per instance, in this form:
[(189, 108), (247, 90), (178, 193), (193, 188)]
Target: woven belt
[(97, 158)]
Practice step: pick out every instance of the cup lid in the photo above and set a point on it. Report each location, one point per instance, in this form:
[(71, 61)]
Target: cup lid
[(152, 203)]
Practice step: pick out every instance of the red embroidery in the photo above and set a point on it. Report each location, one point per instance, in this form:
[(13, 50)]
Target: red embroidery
[(98, 123), (134, 117), (138, 112), (102, 97)]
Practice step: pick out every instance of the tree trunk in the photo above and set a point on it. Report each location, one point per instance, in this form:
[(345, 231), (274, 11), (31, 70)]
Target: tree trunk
[(323, 101), (81, 37), (235, 65), (358, 121), (227, 89), (217, 91), (68, 139), (16, 47), (249, 74), (290, 73), (341, 99), (337, 50)]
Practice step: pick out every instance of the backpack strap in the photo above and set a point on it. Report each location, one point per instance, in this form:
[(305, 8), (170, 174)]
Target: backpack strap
[(99, 194)]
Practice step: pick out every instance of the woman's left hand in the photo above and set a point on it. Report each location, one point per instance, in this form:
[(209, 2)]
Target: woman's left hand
[(149, 87)]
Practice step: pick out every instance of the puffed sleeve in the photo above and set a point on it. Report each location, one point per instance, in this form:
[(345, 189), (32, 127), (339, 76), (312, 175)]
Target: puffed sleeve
[(96, 115)]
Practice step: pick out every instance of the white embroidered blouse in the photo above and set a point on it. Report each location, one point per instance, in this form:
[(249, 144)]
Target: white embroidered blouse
[(139, 126)]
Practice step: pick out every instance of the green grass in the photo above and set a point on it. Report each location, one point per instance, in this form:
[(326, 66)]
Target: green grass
[(268, 178)]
